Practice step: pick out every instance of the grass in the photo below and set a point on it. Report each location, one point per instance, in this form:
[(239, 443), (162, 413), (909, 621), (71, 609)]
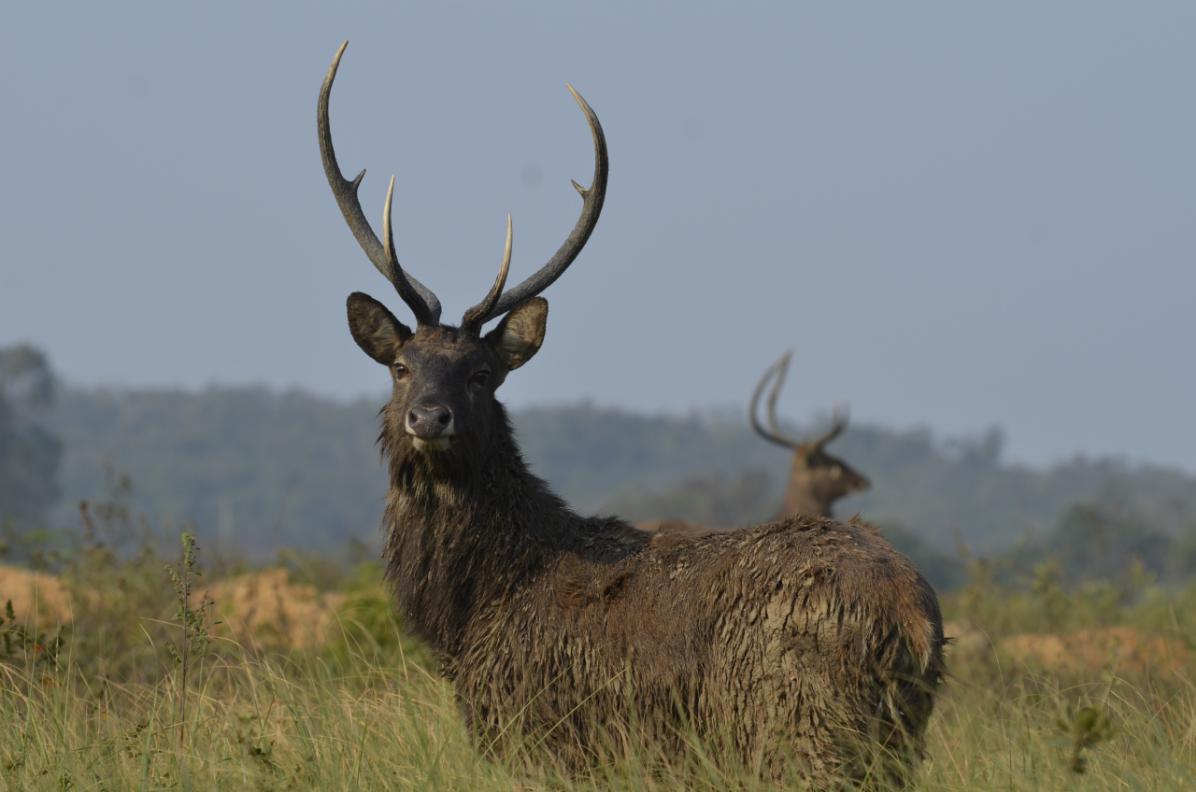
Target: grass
[(254, 724), (1028, 731), (269, 723), (144, 693)]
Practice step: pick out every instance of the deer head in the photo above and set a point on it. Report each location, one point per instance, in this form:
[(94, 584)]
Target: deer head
[(817, 478), (444, 377)]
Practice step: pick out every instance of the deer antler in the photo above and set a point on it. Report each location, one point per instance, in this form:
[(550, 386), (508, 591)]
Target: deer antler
[(419, 298), (776, 372), (839, 416), (591, 208), (475, 316)]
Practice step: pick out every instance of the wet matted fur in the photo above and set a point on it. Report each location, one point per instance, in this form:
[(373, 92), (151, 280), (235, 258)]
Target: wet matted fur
[(805, 644)]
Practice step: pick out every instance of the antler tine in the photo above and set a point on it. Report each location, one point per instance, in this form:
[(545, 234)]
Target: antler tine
[(476, 315), (775, 393), (419, 298), (394, 273), (591, 208), (770, 434), (839, 416)]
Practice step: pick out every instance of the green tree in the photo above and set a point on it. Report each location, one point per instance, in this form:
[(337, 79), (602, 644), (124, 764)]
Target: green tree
[(29, 452), (1093, 541)]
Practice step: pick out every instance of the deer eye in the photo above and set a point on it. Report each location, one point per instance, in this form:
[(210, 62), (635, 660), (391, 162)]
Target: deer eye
[(400, 370), (480, 379)]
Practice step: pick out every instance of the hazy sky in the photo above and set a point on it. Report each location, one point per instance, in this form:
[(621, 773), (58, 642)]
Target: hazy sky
[(960, 214)]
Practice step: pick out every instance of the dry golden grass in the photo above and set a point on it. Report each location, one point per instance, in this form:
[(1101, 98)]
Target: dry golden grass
[(1119, 650), (265, 608), (966, 642), (38, 599), (262, 608)]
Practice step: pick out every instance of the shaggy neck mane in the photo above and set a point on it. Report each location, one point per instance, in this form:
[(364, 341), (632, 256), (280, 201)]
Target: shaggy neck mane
[(467, 529)]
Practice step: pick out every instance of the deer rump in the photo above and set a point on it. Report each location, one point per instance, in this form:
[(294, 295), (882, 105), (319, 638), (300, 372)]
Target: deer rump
[(804, 645)]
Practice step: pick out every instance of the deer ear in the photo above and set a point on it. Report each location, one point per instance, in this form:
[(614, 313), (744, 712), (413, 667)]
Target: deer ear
[(375, 329), (520, 333)]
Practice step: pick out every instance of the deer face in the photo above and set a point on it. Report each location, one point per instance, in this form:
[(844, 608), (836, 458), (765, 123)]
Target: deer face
[(826, 477), (444, 378)]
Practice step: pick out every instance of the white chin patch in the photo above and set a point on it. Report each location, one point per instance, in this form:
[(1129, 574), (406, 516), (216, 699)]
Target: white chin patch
[(435, 444)]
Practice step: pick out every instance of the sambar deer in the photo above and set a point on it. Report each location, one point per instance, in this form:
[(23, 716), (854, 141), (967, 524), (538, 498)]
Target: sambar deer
[(817, 478), (804, 647)]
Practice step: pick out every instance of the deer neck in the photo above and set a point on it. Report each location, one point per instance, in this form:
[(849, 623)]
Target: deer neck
[(465, 534), (800, 498)]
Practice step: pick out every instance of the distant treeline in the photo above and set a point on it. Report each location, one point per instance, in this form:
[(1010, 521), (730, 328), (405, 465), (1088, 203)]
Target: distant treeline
[(256, 470), (270, 468)]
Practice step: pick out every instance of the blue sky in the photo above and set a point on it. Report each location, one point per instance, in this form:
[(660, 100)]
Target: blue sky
[(959, 214)]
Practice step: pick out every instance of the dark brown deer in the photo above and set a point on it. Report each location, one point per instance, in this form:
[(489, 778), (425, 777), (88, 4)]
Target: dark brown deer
[(803, 646), (817, 478)]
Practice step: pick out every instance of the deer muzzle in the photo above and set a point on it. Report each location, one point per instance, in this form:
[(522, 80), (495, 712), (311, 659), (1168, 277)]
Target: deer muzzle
[(430, 426)]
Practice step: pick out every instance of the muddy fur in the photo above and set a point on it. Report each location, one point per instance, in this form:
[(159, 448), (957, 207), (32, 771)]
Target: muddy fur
[(803, 641)]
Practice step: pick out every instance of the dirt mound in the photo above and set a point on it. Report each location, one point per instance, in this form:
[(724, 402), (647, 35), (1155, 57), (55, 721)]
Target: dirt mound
[(966, 643), (37, 599), (1122, 650), (265, 608)]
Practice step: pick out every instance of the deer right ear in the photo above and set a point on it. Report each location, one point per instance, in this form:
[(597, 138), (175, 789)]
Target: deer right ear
[(520, 333), (375, 329)]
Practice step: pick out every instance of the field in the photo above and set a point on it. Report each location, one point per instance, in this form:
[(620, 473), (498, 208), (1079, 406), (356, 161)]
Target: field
[(135, 672)]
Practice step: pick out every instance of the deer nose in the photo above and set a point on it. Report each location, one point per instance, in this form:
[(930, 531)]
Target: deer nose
[(429, 421)]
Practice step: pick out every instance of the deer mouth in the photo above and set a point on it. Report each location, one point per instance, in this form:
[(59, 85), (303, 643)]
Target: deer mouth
[(431, 443)]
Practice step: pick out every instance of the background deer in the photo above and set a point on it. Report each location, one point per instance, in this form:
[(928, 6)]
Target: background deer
[(817, 478), (806, 644)]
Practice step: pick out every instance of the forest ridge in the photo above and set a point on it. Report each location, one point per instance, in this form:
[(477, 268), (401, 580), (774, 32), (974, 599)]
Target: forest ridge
[(234, 462)]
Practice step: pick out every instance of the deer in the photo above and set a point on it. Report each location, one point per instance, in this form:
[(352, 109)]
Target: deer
[(800, 648), (817, 478)]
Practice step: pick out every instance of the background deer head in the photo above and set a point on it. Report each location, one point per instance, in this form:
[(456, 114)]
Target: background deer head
[(817, 478)]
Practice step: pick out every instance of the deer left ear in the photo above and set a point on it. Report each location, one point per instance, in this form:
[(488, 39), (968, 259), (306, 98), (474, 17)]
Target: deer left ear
[(520, 333), (375, 329)]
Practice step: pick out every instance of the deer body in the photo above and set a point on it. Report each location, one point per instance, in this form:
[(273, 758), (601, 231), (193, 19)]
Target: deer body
[(778, 638), (803, 643)]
